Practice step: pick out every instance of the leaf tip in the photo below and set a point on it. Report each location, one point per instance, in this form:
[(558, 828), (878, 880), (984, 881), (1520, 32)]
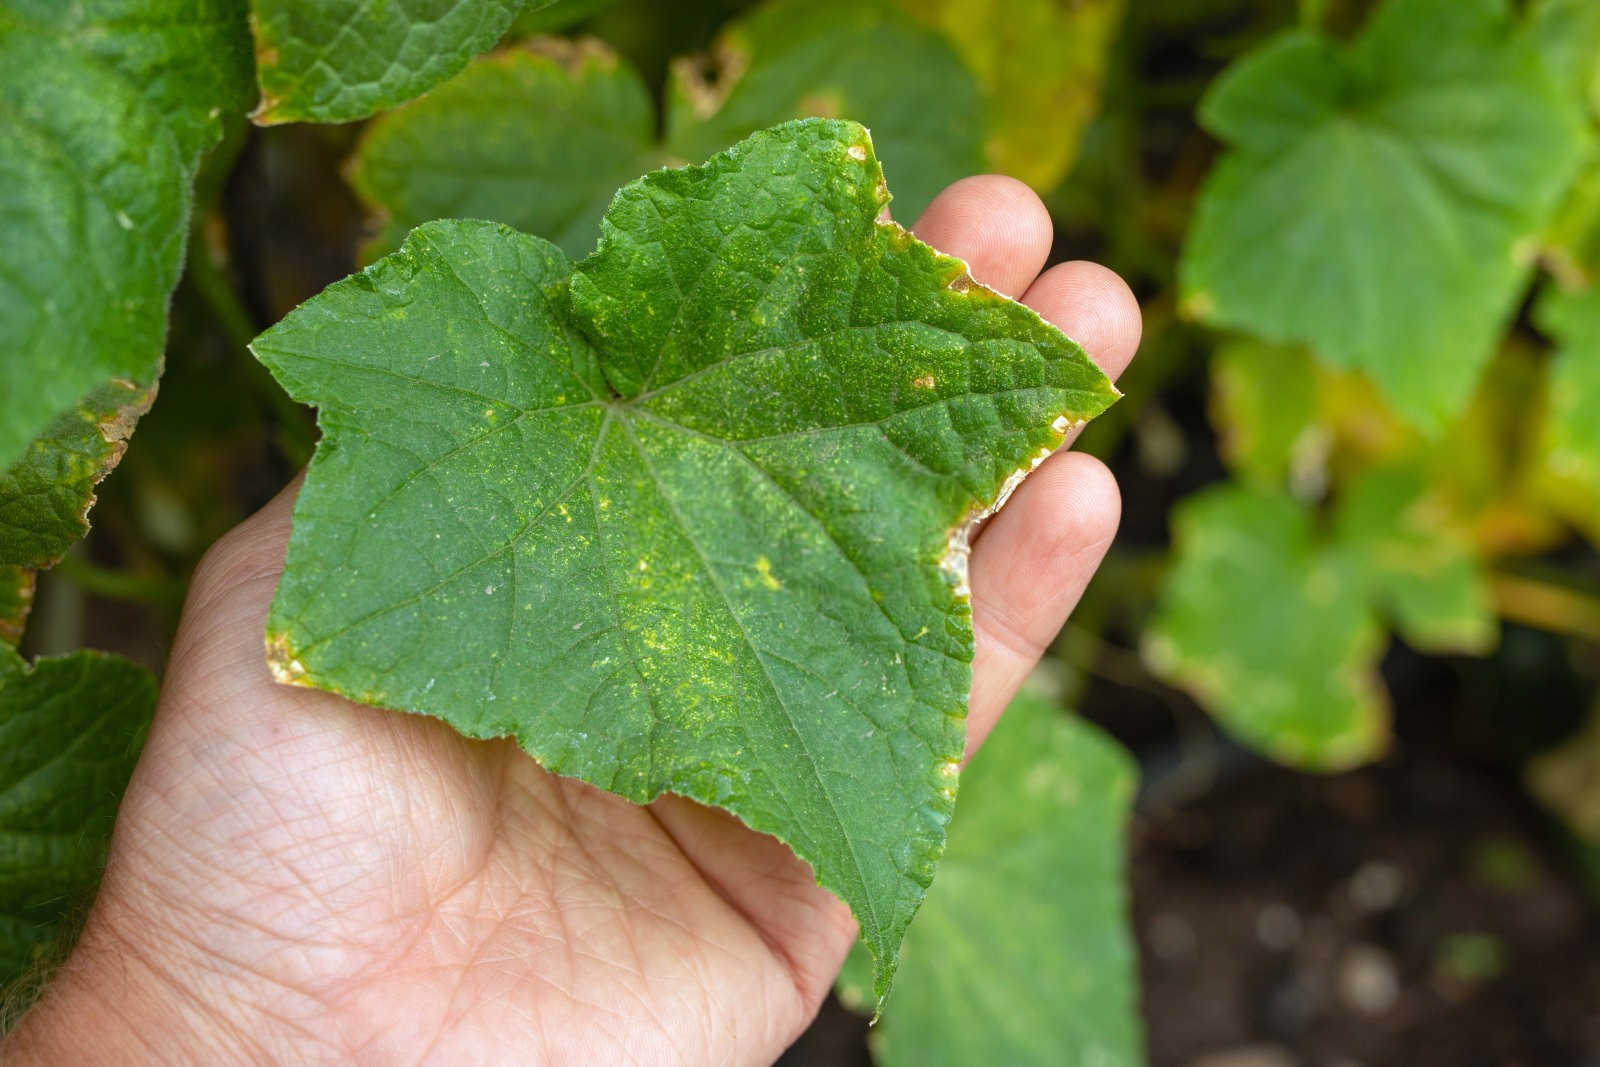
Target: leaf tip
[(285, 666)]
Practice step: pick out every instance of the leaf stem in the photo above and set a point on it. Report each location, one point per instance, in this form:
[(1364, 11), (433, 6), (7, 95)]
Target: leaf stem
[(119, 585), (1546, 605)]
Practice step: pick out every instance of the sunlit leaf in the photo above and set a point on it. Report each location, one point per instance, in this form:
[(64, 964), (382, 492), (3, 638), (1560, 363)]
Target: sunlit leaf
[(1040, 63), (1270, 631), (687, 517), (1570, 448), (1381, 201), (1264, 404)]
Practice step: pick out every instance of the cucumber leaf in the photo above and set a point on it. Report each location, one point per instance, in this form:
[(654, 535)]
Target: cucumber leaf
[(1276, 626), (1570, 444), (342, 60), (70, 732), (107, 107), (688, 517), (539, 137), (1381, 201), (105, 110), (1022, 953), (1040, 64)]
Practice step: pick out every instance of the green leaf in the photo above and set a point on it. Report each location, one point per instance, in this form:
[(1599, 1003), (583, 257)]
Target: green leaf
[(1264, 402), (1381, 201), (556, 15), (1570, 445), (1568, 34), (105, 108), (1040, 64), (16, 599), (1419, 570), (853, 59), (46, 495), (342, 60), (539, 138), (1021, 954), (70, 732), (1269, 632), (687, 518), (1277, 626)]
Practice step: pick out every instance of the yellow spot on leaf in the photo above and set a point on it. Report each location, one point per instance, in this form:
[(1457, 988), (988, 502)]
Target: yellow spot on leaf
[(764, 569)]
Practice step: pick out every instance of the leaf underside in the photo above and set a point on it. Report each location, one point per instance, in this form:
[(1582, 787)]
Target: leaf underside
[(684, 518)]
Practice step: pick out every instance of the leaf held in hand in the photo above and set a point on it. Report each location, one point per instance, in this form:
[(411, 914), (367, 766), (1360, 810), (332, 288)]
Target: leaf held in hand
[(688, 517)]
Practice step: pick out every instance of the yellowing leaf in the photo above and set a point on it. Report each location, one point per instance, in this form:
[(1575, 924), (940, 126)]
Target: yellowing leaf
[(1041, 64)]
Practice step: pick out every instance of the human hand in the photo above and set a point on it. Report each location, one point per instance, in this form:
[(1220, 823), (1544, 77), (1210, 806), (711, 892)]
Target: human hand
[(295, 877)]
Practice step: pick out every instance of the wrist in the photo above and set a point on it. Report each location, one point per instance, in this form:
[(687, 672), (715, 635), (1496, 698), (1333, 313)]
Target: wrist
[(118, 1000)]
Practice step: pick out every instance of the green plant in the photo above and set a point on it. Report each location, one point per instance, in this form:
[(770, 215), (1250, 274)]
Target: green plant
[(1382, 265)]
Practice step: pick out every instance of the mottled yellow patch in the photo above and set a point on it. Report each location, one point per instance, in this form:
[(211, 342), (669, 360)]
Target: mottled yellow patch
[(764, 569), (281, 661)]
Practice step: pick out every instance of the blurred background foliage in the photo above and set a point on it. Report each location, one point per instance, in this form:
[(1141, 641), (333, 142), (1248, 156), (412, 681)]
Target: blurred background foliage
[(1360, 456)]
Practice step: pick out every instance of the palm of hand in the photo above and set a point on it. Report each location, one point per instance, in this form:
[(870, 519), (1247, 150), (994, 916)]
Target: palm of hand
[(295, 877), (398, 887)]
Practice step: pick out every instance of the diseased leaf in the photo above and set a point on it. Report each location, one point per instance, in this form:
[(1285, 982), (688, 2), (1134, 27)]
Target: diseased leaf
[(687, 517), (852, 59), (1040, 63), (1269, 632), (1381, 201), (1570, 445), (1418, 567), (1022, 953), (342, 60), (16, 599), (1277, 626), (1264, 404), (105, 108), (70, 732), (46, 495), (539, 138)]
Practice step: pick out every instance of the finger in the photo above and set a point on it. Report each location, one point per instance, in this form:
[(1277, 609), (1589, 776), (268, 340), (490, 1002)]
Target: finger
[(249, 558), (1093, 306), (1029, 570), (997, 224)]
